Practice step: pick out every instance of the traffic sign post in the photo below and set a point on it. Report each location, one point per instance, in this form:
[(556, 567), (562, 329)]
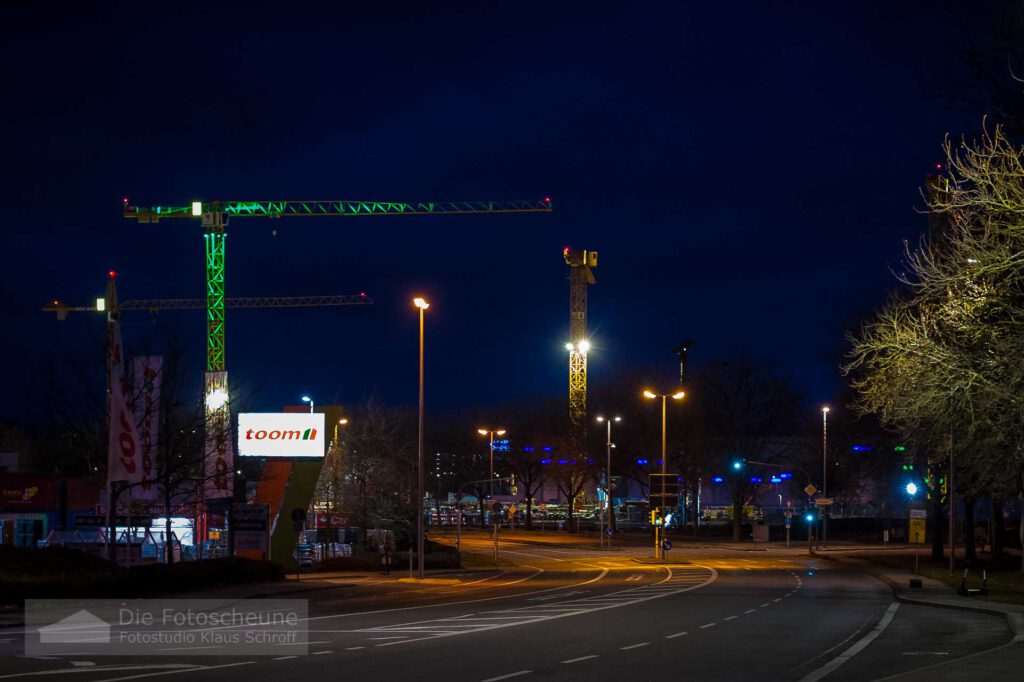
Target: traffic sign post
[(918, 523)]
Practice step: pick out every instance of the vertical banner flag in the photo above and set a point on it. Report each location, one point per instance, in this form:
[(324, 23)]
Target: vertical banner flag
[(124, 461), (219, 454), (147, 373)]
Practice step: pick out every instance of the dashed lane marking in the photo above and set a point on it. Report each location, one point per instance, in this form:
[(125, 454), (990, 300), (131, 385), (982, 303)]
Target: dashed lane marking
[(284, 658), (750, 610), (581, 658), (707, 625), (678, 634), (319, 653), (353, 648), (505, 677), (730, 618), (634, 646), (764, 605)]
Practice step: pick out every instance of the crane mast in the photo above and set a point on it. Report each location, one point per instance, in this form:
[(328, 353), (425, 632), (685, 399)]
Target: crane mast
[(581, 275)]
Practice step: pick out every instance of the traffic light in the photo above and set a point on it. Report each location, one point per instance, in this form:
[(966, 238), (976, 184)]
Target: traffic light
[(809, 517), (737, 464), (911, 489), (656, 518)]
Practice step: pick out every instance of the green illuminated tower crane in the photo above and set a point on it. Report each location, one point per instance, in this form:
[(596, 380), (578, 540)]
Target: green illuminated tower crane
[(214, 217), (581, 265)]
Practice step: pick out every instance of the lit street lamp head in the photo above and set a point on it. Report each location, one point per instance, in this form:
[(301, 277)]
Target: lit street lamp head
[(500, 432), (306, 399), (825, 409), (420, 303), (343, 421), (650, 394), (482, 432), (678, 395)]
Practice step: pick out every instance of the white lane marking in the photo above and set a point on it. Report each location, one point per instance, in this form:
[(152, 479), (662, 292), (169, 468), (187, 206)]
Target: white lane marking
[(730, 617), (765, 604), (175, 672), (634, 578), (750, 610), (678, 634), (353, 648), (926, 653), (105, 668), (842, 658), (777, 599), (319, 653), (707, 625), (634, 646), (283, 658), (505, 677), (581, 658), (82, 664), (376, 639), (556, 596), (433, 629), (456, 603)]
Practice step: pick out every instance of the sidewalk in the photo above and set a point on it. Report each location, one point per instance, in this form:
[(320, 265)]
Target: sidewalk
[(937, 594)]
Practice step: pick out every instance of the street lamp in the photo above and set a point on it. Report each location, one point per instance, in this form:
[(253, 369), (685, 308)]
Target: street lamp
[(678, 395), (824, 472), (307, 399), (422, 304), (492, 433), (608, 481)]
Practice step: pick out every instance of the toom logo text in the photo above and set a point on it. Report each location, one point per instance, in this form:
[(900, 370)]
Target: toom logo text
[(279, 434)]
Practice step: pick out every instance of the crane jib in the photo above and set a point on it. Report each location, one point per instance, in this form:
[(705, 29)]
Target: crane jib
[(328, 208)]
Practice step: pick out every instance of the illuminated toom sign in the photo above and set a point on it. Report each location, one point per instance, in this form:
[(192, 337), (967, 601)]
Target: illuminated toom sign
[(279, 434)]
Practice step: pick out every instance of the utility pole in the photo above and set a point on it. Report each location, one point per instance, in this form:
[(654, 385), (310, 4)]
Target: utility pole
[(824, 474)]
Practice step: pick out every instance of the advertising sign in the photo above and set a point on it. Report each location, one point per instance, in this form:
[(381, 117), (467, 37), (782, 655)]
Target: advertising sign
[(281, 434), (147, 379), (251, 525), (124, 458)]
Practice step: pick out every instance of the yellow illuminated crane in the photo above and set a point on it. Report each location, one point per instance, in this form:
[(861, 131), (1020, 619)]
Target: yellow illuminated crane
[(581, 266)]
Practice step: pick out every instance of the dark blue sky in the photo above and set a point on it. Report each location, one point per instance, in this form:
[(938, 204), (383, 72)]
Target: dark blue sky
[(747, 172)]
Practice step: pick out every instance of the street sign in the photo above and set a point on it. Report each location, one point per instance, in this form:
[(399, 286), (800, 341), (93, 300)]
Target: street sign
[(609, 532), (823, 502), (789, 521), (250, 524), (810, 490), (669, 483), (917, 531), (666, 545)]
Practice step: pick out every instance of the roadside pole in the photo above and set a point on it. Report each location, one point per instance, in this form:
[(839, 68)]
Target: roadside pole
[(458, 528)]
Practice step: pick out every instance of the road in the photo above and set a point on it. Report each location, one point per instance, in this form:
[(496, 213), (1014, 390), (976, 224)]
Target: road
[(564, 611)]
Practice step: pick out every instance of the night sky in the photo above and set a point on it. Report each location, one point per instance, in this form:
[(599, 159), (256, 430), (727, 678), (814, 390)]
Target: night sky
[(747, 172)]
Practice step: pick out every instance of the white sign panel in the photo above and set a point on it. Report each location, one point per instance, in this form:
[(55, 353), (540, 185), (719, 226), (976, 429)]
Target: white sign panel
[(281, 434)]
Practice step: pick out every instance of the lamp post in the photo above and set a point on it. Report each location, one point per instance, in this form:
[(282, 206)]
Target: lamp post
[(678, 395), (824, 473), (492, 433), (422, 304), (607, 519), (336, 463)]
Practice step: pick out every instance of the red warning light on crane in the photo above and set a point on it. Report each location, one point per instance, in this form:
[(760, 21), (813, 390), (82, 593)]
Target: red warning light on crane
[(112, 274)]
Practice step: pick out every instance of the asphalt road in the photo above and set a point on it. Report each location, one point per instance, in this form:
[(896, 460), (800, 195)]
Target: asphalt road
[(567, 612)]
